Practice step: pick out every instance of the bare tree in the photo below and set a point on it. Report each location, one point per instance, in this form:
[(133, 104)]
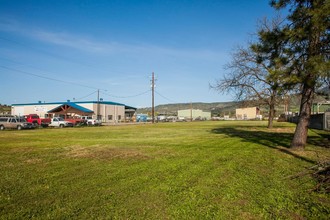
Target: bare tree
[(256, 72), (249, 79)]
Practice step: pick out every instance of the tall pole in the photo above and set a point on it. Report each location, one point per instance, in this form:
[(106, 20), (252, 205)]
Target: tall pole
[(153, 97), (191, 114), (98, 105)]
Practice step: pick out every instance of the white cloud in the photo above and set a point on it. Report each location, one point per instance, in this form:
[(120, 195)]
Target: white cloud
[(68, 40), (86, 44)]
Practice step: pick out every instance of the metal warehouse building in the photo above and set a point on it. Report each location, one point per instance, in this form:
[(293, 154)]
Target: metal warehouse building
[(194, 114), (108, 112), (248, 113)]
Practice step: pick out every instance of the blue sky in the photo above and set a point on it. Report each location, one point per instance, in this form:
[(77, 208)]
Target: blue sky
[(58, 50)]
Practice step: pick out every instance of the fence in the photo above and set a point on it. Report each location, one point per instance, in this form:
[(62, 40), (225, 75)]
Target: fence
[(327, 121), (317, 121)]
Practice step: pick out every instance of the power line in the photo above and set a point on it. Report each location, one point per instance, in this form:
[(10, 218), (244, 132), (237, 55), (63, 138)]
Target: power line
[(124, 97), (77, 84), (87, 95), (165, 97), (68, 82), (73, 83), (45, 71), (130, 75)]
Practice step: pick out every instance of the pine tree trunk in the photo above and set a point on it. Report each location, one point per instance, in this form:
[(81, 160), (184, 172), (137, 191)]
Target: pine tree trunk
[(300, 136)]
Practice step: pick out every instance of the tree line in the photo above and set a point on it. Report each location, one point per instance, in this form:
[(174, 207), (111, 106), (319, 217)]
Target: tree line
[(290, 55)]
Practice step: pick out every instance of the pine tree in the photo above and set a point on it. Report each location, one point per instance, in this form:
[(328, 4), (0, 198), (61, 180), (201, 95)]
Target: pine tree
[(307, 31)]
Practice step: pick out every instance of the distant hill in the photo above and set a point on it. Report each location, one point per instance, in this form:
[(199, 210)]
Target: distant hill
[(223, 108), (5, 110), (216, 108)]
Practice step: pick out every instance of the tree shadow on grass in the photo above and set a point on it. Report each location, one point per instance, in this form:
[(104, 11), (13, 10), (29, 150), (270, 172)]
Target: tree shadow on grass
[(322, 141), (276, 140)]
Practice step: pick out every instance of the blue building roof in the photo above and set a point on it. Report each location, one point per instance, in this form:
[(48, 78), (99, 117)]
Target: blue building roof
[(83, 102), (72, 105), (59, 103)]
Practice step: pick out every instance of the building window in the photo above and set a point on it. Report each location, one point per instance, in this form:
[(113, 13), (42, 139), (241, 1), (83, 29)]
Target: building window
[(119, 117), (110, 117)]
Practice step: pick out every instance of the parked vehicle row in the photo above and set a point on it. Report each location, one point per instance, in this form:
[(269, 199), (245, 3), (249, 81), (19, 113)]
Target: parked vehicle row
[(33, 121)]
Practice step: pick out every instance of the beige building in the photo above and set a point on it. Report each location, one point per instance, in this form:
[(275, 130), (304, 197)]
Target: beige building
[(108, 112), (248, 113), (194, 114)]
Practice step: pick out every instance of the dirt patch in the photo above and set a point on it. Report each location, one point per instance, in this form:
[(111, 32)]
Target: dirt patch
[(106, 153), (282, 130), (33, 161)]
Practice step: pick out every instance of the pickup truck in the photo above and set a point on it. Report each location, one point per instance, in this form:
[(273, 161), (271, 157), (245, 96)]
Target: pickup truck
[(76, 121), (37, 121), (60, 122), (90, 121)]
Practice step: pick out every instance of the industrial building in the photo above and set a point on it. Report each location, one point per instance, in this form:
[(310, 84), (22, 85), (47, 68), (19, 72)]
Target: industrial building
[(108, 112), (194, 114), (248, 113)]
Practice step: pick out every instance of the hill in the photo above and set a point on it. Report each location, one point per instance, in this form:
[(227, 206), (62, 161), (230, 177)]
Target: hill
[(216, 108), (226, 108), (5, 110)]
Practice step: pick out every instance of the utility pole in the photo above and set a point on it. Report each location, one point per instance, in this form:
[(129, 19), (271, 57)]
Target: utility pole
[(191, 110), (98, 105), (153, 97)]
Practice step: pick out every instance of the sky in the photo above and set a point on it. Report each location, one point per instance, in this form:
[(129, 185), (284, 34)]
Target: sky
[(59, 50)]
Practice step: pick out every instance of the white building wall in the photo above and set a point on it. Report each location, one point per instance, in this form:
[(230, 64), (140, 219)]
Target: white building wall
[(109, 113), (206, 115), (39, 109), (114, 113), (194, 113), (246, 113), (19, 110)]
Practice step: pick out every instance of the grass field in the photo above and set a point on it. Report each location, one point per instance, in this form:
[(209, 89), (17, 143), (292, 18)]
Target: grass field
[(200, 170)]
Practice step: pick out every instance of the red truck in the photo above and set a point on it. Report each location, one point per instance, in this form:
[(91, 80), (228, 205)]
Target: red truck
[(76, 121), (37, 121)]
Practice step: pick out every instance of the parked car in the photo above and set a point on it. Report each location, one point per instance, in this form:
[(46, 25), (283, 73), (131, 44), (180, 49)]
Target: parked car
[(141, 117), (91, 121), (37, 121), (14, 122), (60, 122)]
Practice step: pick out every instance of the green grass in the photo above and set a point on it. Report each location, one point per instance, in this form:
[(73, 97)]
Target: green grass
[(202, 170)]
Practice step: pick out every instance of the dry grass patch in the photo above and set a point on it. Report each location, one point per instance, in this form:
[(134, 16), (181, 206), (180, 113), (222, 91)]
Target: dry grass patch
[(106, 153), (33, 161), (281, 130), (110, 152)]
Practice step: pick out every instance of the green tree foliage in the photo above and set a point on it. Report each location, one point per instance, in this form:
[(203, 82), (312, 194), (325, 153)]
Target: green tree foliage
[(306, 36)]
